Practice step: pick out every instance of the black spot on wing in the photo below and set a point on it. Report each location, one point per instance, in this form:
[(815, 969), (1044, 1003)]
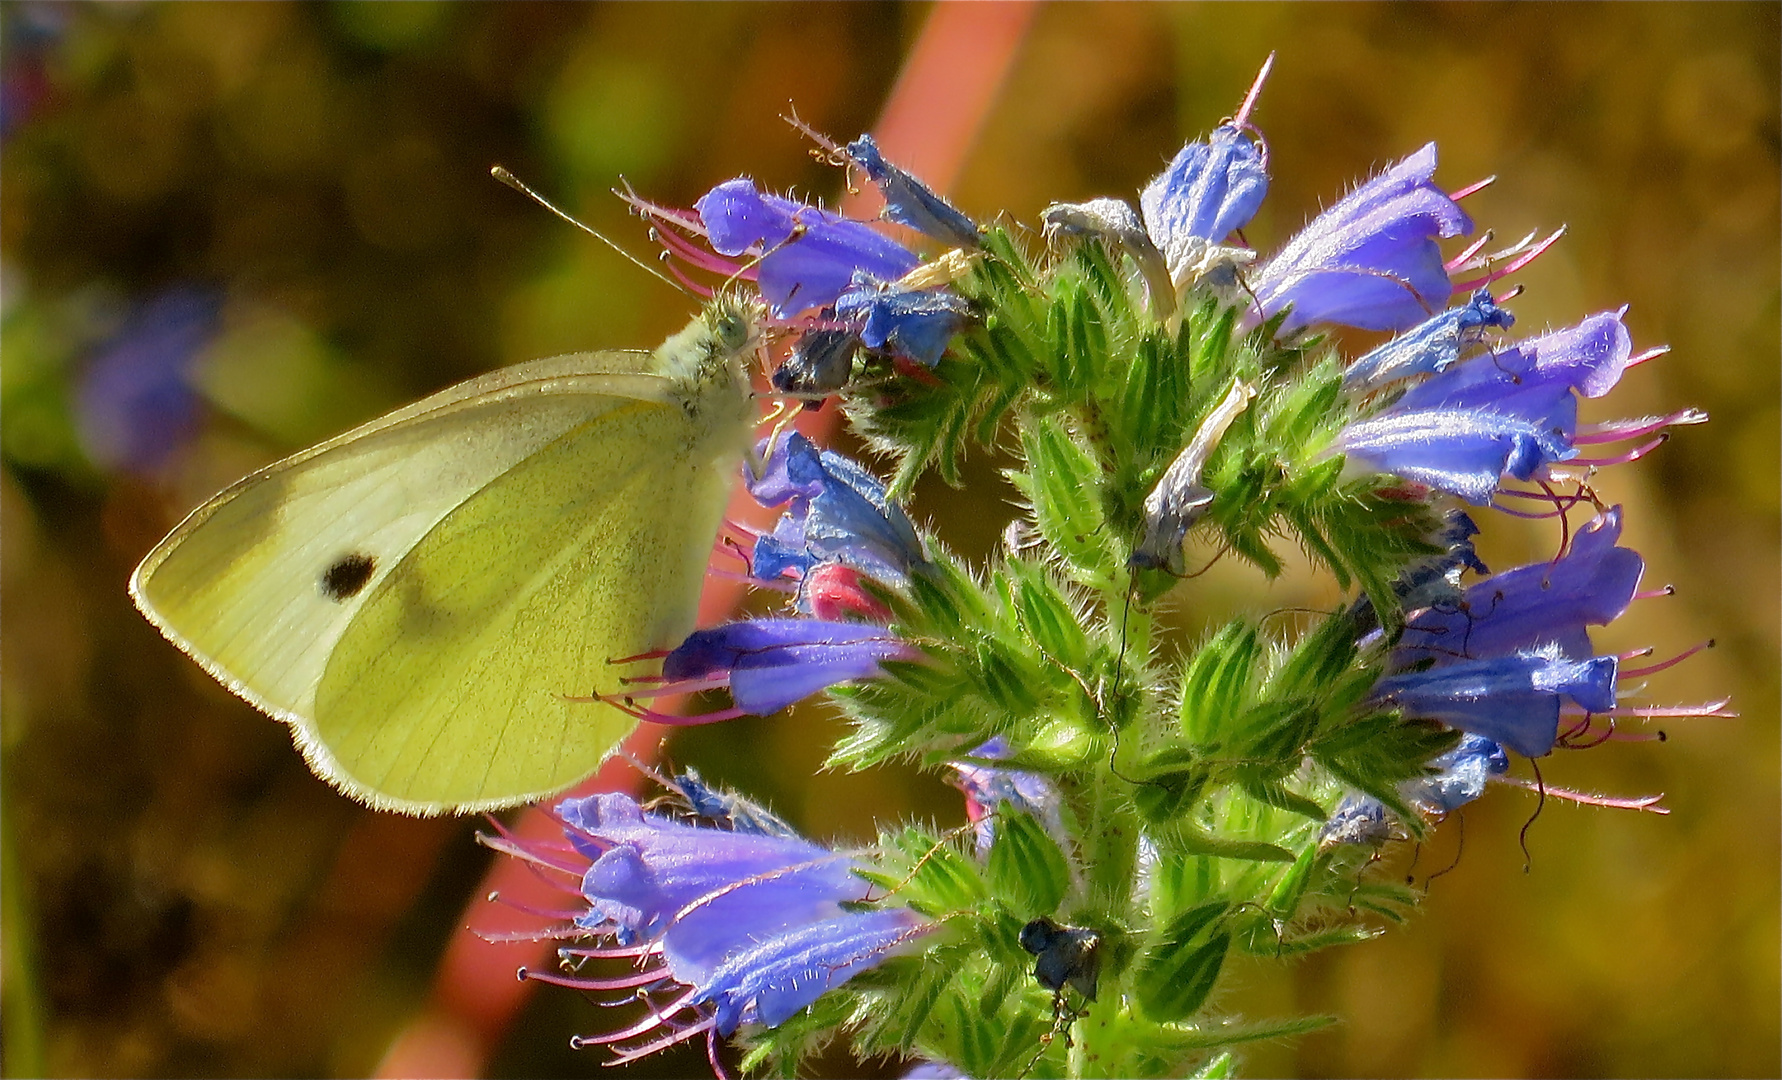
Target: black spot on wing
[(347, 575)]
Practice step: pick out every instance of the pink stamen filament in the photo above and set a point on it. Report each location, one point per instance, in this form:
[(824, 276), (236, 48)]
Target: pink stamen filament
[(1514, 265), (1650, 354), (1659, 712), (645, 1025), (1668, 590), (1529, 514), (1616, 430), (641, 953), (683, 686), (1633, 455), (647, 1049), (695, 287), (671, 720), (685, 250), (547, 933), (1638, 802), (1473, 188), (543, 913), (531, 855), (1460, 260), (1652, 669), (621, 982), (653, 654), (1242, 119), (1497, 256)]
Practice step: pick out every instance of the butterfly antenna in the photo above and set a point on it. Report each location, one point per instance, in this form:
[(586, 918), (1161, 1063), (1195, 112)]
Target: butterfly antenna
[(501, 173)]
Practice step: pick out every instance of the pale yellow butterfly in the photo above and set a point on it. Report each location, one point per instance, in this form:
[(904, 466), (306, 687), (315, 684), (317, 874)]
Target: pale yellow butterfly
[(418, 597)]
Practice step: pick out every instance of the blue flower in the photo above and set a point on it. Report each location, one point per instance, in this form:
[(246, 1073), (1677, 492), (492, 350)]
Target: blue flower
[(1433, 581), (137, 406), (987, 789), (770, 983), (1545, 603), (836, 511), (908, 201), (729, 927), (808, 256), (1210, 190), (1463, 451), (1512, 412), (767, 664), (1429, 347), (1371, 261), (913, 323), (1514, 700), (1535, 378), (1460, 777)]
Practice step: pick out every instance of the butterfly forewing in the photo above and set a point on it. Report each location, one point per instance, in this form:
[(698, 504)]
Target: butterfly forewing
[(260, 582), (449, 689)]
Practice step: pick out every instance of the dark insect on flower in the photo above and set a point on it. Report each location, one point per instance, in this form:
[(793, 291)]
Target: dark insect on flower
[(1068, 956), (725, 809), (908, 201), (820, 364)]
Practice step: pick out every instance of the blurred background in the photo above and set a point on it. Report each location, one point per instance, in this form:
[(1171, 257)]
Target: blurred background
[(230, 230)]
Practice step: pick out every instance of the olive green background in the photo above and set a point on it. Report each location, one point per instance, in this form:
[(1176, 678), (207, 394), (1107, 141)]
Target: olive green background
[(182, 898)]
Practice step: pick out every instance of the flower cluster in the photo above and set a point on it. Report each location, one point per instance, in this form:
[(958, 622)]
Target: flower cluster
[(724, 926), (1135, 813)]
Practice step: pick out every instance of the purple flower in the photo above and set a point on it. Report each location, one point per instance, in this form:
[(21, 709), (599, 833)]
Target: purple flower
[(1514, 700), (808, 256), (770, 983), (1534, 378), (767, 664), (653, 879), (1430, 582), (727, 928), (988, 788), (1371, 261), (1545, 603), (913, 323), (1508, 413), (908, 201), (1427, 348), (137, 406), (1464, 451), (1460, 777), (1210, 190), (836, 511)]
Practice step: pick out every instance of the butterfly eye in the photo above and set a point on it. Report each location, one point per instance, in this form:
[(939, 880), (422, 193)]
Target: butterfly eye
[(347, 575)]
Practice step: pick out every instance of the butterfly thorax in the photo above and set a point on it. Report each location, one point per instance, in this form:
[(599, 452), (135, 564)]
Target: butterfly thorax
[(706, 365)]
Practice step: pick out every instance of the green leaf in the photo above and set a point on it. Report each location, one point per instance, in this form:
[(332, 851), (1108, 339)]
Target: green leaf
[(1026, 869), (1284, 900), (1177, 973), (1216, 685), (1060, 481), (1192, 841)]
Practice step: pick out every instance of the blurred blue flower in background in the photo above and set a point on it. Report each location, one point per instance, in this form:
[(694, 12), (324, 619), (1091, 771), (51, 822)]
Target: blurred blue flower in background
[(136, 403)]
